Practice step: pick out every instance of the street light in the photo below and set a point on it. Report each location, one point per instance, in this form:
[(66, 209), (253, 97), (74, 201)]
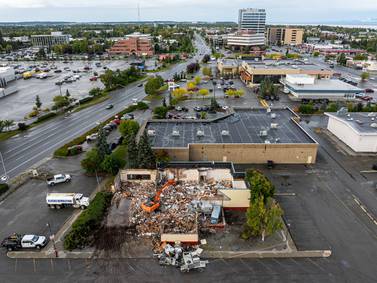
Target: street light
[(4, 178), (52, 238)]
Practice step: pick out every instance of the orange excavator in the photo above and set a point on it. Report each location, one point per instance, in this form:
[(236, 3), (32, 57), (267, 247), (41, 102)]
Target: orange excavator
[(153, 203)]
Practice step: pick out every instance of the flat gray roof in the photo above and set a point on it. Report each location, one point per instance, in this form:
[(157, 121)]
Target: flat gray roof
[(360, 121), (324, 85), (243, 126)]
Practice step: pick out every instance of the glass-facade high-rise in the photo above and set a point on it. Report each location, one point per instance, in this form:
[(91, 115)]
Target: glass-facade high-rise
[(253, 20)]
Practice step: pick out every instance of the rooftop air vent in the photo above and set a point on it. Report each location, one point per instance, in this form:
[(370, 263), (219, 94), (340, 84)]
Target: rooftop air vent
[(373, 125), (175, 133), (268, 110), (151, 133), (267, 142), (372, 114), (200, 133), (273, 115), (274, 125), (225, 133), (263, 133)]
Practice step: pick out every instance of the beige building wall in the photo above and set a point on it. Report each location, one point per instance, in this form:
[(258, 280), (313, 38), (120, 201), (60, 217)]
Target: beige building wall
[(293, 36), (247, 153)]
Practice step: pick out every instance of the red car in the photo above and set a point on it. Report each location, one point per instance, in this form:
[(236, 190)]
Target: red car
[(116, 121), (93, 79), (366, 98)]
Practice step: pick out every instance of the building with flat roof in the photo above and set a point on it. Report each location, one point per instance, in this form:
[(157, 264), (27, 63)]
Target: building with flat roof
[(305, 87), (244, 136), (285, 35), (358, 130), (253, 72), (245, 40), (7, 74), (228, 67), (48, 40), (134, 44)]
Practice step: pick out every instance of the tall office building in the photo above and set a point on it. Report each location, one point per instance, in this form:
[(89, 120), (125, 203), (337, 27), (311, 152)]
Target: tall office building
[(253, 20)]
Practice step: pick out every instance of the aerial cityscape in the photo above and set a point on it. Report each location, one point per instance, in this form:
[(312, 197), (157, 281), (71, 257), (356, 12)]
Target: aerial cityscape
[(194, 141)]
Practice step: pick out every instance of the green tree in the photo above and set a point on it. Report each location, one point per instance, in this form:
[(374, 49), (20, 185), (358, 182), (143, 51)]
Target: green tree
[(160, 112), (132, 153), (146, 157), (92, 161), (2, 125), (364, 76), (203, 92), (267, 88), (206, 58), (95, 91), (38, 102), (102, 145), (153, 85), (60, 101), (111, 164), (206, 71), (127, 129), (263, 218), (7, 124), (259, 184), (342, 60), (316, 53), (197, 80)]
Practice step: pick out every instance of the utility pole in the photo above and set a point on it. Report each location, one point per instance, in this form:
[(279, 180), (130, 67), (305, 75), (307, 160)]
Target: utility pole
[(52, 238)]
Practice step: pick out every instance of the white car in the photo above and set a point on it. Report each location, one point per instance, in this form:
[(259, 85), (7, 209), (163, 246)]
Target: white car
[(92, 137), (225, 107), (59, 178)]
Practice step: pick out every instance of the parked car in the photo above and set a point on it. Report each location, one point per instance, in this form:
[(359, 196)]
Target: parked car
[(128, 116), (92, 137), (140, 85), (197, 108), (58, 179), (93, 79), (369, 90)]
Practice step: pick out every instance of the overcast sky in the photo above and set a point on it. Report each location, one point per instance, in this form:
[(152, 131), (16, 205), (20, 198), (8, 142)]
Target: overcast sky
[(278, 11)]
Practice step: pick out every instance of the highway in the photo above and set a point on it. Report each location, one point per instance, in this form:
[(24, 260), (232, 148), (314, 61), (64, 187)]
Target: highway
[(23, 151)]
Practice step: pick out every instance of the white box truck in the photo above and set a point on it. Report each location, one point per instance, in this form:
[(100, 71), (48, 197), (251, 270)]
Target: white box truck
[(60, 200)]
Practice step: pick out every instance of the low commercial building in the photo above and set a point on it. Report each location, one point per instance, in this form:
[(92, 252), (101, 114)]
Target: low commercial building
[(228, 67), (48, 40), (285, 35), (253, 72), (134, 44), (356, 130), (305, 87), (332, 49), (244, 136), (245, 40)]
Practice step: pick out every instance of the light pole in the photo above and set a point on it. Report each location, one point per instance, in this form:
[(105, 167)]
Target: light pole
[(5, 177), (52, 238)]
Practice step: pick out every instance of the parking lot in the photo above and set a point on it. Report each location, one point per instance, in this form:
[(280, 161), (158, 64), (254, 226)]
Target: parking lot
[(17, 105), (25, 211)]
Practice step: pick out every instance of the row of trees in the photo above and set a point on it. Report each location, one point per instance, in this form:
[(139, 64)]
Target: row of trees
[(192, 68), (83, 46), (263, 217), (114, 79)]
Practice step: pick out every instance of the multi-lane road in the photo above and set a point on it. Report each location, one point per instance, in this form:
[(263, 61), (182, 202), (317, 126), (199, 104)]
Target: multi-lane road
[(27, 149)]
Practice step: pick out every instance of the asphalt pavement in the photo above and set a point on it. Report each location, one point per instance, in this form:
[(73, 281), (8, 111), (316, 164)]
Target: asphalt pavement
[(23, 151)]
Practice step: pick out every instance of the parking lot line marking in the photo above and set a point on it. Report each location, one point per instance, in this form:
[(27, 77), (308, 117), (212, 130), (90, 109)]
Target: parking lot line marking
[(69, 264), (15, 265), (52, 265), (34, 265), (363, 208)]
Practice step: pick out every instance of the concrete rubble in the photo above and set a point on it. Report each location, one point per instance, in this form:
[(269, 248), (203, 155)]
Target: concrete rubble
[(184, 258), (179, 205)]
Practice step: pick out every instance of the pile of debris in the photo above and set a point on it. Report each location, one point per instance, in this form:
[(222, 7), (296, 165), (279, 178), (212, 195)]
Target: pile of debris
[(185, 259), (178, 210)]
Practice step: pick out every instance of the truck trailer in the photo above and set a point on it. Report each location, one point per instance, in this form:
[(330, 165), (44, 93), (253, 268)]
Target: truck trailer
[(61, 200)]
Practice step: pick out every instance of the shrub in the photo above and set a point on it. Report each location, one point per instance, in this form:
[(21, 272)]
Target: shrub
[(22, 126), (142, 106), (306, 108), (45, 117), (33, 114), (3, 188), (160, 112), (85, 99), (88, 222)]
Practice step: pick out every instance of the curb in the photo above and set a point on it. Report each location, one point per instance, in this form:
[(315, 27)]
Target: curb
[(267, 254)]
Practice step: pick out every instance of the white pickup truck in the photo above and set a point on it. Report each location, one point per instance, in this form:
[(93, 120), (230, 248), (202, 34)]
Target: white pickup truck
[(17, 241), (60, 178), (60, 200)]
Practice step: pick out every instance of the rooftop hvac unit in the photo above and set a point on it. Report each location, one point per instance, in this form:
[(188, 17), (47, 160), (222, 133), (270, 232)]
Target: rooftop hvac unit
[(372, 114), (349, 119), (268, 110), (263, 133), (373, 125), (274, 125), (372, 119), (267, 142), (225, 133), (175, 133), (277, 140), (273, 115), (151, 133), (200, 133), (359, 122)]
